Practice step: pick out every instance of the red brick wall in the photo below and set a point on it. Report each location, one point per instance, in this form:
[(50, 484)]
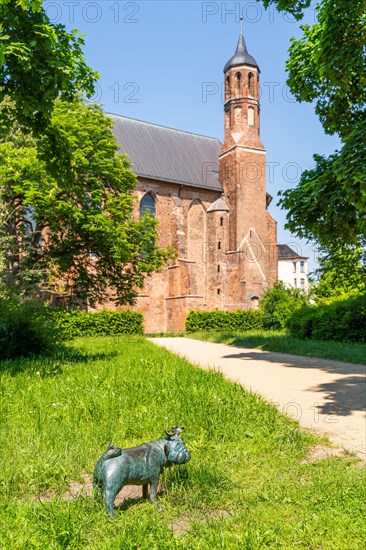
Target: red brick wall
[(224, 259)]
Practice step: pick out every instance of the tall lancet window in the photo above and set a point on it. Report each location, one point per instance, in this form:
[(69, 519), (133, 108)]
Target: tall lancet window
[(227, 87), (250, 116), (250, 84), (147, 204), (238, 83)]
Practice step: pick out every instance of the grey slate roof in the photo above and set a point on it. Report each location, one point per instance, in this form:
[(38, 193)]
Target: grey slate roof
[(241, 56), (286, 253), (218, 206), (166, 154)]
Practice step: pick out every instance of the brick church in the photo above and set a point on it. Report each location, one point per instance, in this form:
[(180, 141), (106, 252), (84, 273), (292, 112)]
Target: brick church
[(211, 204)]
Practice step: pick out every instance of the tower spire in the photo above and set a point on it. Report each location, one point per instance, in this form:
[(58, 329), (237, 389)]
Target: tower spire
[(241, 56)]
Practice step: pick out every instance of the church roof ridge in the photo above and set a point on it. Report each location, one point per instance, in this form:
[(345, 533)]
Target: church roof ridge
[(163, 126), (169, 155)]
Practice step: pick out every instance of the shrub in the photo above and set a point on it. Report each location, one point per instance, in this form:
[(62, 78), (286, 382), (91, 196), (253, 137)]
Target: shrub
[(278, 304), (25, 328), (102, 323), (343, 320), (225, 321), (300, 324)]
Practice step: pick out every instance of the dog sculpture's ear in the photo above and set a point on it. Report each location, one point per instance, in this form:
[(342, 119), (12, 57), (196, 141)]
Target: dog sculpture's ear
[(177, 430)]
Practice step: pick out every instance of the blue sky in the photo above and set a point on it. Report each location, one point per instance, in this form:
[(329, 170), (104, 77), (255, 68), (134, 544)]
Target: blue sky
[(162, 61)]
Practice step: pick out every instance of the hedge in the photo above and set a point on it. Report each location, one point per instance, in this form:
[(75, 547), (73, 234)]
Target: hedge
[(102, 323), (26, 328), (224, 321), (342, 320)]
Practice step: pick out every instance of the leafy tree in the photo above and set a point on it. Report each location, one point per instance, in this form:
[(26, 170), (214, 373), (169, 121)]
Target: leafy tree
[(77, 238), (341, 272), (279, 303), (39, 62), (327, 66), (329, 203)]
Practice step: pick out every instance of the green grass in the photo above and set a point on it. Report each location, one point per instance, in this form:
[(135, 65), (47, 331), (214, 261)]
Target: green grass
[(282, 342), (246, 486)]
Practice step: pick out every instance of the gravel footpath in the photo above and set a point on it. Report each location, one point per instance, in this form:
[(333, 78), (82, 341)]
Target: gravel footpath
[(329, 397)]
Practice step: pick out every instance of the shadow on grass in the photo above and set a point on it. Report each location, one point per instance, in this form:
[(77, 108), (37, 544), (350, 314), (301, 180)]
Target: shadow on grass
[(53, 363), (134, 501)]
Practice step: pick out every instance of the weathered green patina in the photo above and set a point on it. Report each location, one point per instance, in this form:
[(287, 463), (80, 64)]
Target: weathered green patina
[(138, 466)]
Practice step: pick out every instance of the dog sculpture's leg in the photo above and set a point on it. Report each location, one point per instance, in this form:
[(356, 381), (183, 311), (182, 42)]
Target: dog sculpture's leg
[(145, 490), (109, 496), (154, 492)]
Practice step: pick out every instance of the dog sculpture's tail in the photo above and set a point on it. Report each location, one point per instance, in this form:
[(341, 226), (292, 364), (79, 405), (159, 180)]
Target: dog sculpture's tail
[(110, 452)]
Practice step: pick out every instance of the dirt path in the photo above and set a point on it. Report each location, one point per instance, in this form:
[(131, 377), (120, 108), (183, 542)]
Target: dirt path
[(328, 397)]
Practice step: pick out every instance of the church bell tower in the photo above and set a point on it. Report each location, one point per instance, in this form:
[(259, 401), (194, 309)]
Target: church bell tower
[(243, 177)]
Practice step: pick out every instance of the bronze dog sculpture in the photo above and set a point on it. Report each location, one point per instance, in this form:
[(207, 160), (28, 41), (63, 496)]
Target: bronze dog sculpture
[(138, 466)]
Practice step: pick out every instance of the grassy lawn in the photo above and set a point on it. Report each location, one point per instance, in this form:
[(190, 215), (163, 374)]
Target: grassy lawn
[(246, 487), (281, 342)]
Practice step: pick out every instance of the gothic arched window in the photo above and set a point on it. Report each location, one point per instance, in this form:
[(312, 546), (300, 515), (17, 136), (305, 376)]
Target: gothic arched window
[(250, 116), (147, 204), (251, 84), (227, 86), (238, 80)]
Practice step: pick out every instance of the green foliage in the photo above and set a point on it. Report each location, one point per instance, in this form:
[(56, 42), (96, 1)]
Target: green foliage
[(327, 67), (341, 272), (300, 325), (278, 303), (103, 323), (329, 203), (295, 7), (77, 238), (247, 485), (315, 65), (26, 328), (39, 62), (342, 320), (225, 321)]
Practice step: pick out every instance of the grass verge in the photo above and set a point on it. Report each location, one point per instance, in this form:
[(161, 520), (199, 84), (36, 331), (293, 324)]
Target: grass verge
[(281, 342), (246, 487)]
